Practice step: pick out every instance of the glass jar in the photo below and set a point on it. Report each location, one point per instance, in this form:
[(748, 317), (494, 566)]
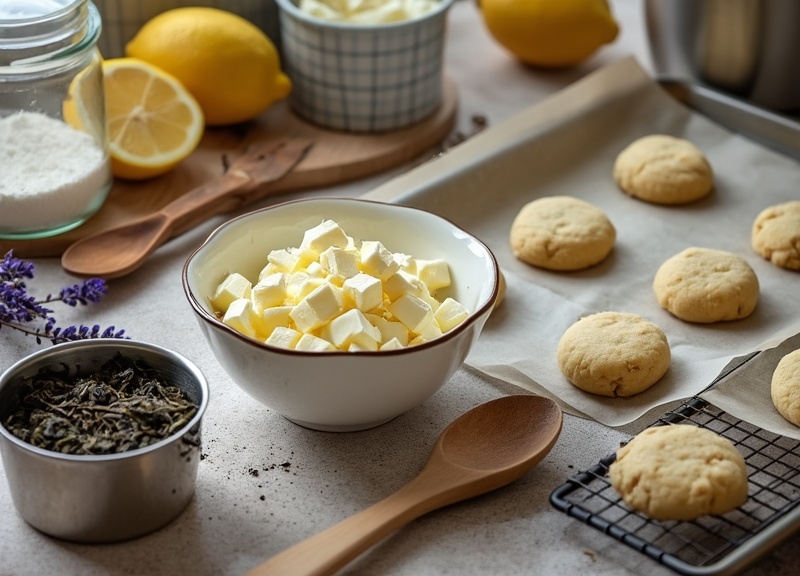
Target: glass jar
[(54, 163)]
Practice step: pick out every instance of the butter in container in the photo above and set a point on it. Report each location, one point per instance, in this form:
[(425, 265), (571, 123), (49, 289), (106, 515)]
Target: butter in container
[(366, 66)]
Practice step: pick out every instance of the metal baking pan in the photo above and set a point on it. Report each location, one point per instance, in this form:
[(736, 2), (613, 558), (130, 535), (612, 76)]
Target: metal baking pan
[(776, 131)]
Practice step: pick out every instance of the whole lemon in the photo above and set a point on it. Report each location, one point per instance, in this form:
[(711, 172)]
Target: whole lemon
[(227, 63), (550, 33)]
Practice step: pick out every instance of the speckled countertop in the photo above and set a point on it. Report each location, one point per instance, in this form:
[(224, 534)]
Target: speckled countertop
[(265, 483)]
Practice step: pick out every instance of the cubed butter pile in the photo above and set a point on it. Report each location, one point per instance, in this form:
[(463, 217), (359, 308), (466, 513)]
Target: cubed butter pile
[(329, 294)]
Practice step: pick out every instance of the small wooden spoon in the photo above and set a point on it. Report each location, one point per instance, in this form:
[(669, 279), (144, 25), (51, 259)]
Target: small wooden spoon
[(118, 251), (486, 448)]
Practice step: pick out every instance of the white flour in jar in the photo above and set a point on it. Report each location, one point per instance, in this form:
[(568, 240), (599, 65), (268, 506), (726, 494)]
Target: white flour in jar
[(50, 173)]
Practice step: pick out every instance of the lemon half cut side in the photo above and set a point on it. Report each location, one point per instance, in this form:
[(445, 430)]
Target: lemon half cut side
[(153, 121)]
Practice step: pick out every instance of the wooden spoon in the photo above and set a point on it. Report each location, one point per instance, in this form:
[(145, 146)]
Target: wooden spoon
[(486, 448), (118, 251)]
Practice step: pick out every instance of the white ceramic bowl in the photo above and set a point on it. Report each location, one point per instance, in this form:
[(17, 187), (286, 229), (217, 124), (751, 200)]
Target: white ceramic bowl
[(341, 391)]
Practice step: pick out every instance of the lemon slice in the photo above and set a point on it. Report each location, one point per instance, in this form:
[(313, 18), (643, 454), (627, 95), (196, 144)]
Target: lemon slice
[(153, 121), (84, 101)]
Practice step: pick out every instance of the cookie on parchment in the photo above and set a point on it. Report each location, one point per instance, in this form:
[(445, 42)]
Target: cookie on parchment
[(662, 169), (703, 285), (561, 233), (776, 234), (680, 472), (613, 354), (785, 387)]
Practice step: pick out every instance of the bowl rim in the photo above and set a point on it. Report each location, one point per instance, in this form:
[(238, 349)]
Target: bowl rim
[(121, 346), (444, 338), (291, 8)]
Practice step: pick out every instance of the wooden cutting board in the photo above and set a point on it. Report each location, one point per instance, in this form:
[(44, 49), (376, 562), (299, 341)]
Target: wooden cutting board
[(335, 157)]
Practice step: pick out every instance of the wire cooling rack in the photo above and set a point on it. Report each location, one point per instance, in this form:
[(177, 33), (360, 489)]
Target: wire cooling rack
[(718, 545)]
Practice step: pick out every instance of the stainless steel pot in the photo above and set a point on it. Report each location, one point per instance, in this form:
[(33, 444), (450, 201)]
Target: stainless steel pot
[(747, 48), (105, 498)]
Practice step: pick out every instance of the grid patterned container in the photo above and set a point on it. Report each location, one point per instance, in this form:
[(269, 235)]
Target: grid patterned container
[(362, 78)]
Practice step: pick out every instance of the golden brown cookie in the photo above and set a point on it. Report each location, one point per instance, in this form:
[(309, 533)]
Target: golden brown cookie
[(680, 472), (561, 233), (613, 354), (704, 286), (663, 170), (776, 234), (785, 387)]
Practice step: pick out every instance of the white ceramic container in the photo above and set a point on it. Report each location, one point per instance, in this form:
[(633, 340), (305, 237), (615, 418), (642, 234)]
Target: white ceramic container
[(341, 391)]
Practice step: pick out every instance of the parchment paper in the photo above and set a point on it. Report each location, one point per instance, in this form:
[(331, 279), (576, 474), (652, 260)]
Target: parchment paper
[(745, 392), (567, 145)]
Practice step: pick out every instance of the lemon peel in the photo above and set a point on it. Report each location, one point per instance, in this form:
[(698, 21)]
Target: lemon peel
[(227, 63), (550, 33)]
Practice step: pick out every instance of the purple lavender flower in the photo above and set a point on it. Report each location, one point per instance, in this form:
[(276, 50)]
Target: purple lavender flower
[(18, 309)]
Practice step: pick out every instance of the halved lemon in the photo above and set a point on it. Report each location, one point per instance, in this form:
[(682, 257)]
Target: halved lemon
[(153, 121), (84, 100)]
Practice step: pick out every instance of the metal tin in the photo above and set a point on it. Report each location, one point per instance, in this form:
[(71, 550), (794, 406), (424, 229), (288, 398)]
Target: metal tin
[(106, 498), (747, 48)]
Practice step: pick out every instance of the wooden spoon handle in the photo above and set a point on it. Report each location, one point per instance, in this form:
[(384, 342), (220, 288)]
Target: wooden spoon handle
[(243, 183), (333, 548), (438, 484)]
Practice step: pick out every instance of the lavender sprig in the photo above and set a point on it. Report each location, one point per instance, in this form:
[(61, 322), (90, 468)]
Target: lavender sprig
[(18, 309)]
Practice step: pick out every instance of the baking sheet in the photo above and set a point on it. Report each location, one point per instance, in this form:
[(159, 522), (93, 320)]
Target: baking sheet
[(567, 145)]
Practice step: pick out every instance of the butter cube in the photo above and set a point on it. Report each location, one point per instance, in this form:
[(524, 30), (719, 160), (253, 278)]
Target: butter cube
[(307, 286), (413, 312), (434, 273), (355, 347), (315, 270), (284, 337), (393, 344), (323, 236), (353, 328), (317, 308), (402, 283), (432, 302), (363, 291), (271, 318), (338, 262), (283, 260), (450, 314), (314, 344), (269, 291), (390, 330), (239, 316), (233, 287), (431, 332), (376, 260), (407, 263), (270, 268)]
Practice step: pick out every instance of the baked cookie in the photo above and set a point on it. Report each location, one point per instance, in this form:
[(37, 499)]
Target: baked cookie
[(785, 387), (561, 233), (663, 170), (703, 285), (613, 354), (680, 472), (776, 234)]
